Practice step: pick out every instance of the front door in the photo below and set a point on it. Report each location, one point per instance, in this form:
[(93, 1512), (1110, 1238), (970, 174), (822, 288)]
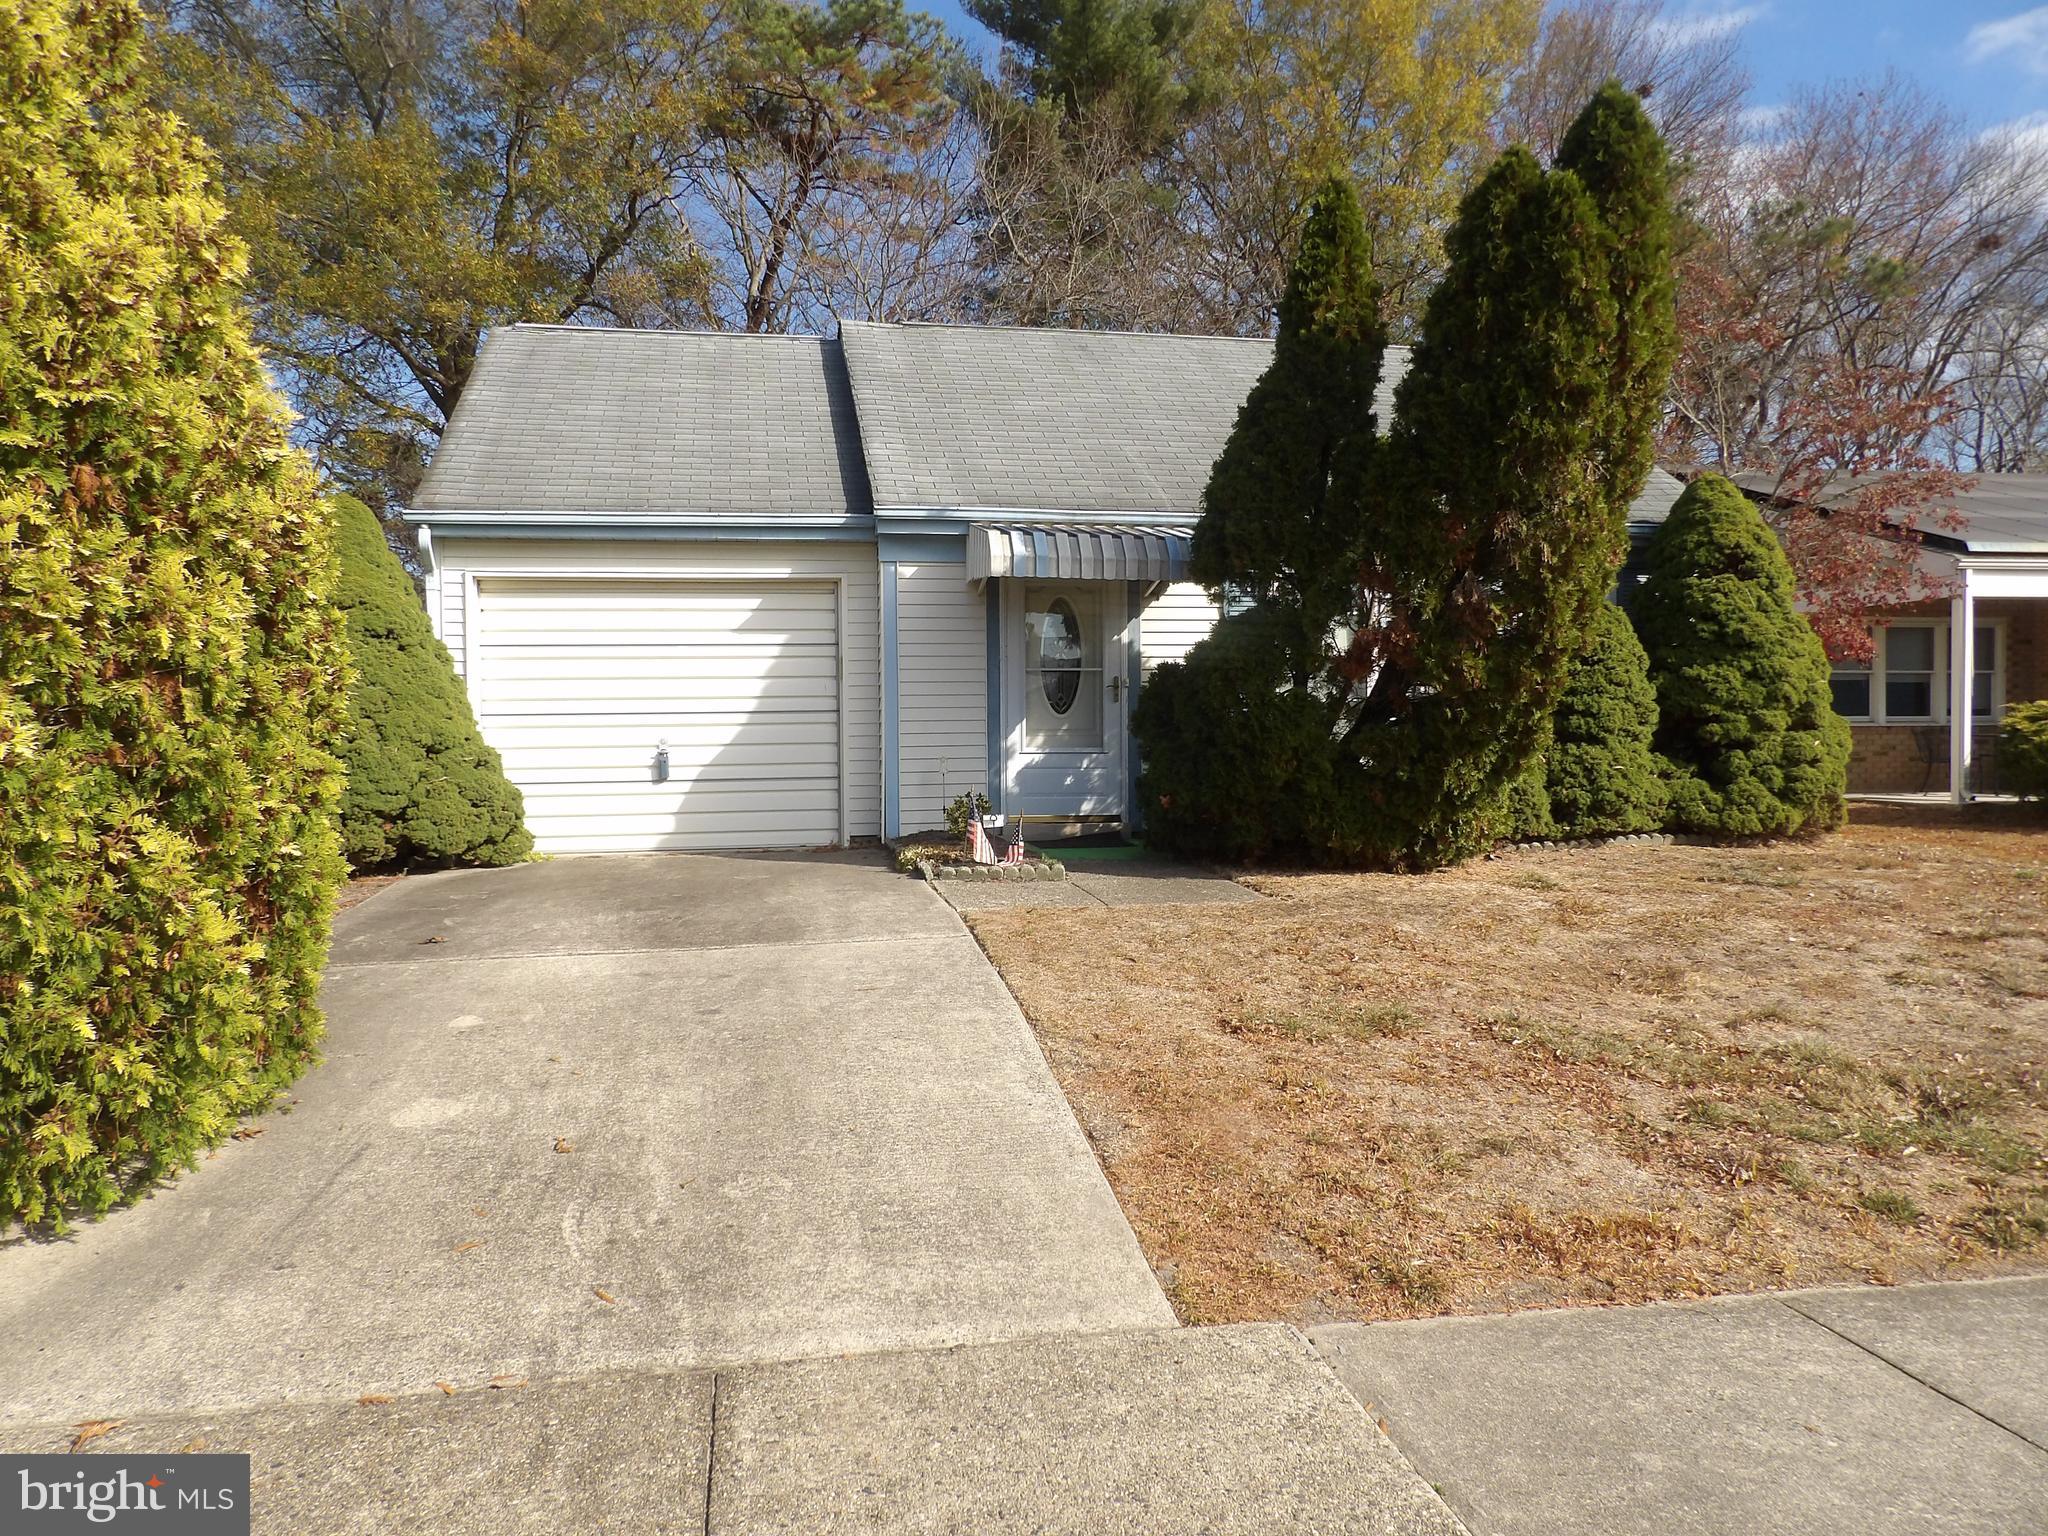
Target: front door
[(1065, 696)]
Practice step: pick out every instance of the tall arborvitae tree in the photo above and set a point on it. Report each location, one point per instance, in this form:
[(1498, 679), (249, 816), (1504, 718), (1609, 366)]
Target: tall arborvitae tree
[(1237, 740), (171, 662), (1615, 151), (1280, 514), (1746, 726), (1521, 433), (1489, 525)]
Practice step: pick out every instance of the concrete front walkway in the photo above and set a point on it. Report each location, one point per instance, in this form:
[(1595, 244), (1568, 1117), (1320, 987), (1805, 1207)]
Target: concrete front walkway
[(1879, 1412), (1102, 883), (769, 1107)]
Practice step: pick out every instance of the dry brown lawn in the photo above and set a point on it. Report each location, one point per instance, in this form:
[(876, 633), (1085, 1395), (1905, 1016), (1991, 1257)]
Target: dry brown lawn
[(1611, 1075)]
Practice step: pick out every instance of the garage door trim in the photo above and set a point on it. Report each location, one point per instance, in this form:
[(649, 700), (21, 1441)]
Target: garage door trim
[(472, 629)]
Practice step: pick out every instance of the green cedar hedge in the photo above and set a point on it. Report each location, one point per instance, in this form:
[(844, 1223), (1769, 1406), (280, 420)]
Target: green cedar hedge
[(1600, 774), (172, 668), (2023, 750), (422, 786), (1747, 731)]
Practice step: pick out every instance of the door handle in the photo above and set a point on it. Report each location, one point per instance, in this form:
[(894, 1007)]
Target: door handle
[(1116, 687)]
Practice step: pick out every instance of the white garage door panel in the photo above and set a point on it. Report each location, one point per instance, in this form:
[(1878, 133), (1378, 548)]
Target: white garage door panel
[(600, 687), (577, 682)]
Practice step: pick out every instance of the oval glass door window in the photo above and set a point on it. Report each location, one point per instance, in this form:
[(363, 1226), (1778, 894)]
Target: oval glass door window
[(1063, 683), (1059, 655)]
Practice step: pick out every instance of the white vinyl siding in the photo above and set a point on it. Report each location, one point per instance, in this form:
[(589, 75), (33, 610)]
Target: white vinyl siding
[(582, 647), (942, 677), (450, 586), (1173, 623)]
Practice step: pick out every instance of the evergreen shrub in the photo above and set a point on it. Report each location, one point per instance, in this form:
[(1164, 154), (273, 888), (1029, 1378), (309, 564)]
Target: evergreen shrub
[(423, 788), (172, 665), (1600, 772), (1746, 728), (2023, 750)]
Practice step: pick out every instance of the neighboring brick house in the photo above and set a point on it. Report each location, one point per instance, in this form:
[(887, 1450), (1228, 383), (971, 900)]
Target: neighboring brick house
[(1900, 704)]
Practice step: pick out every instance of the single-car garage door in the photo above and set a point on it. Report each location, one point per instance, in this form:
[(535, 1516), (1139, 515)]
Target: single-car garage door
[(584, 685)]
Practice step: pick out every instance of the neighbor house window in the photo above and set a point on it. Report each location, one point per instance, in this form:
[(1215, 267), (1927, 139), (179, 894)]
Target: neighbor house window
[(1850, 682), (1909, 672), (1906, 683), (1984, 672)]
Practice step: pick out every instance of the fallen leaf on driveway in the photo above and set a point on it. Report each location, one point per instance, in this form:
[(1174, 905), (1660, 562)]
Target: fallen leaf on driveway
[(373, 1400), (249, 1132), (92, 1429), (192, 1447), (602, 1294), (505, 1383), (435, 938), (450, 1391), (473, 1243), (564, 1144), (477, 1210)]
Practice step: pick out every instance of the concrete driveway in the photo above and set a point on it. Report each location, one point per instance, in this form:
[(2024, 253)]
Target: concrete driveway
[(596, 1115)]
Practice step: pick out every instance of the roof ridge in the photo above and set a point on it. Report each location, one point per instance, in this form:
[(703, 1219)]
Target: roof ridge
[(661, 330), (1063, 330), (1048, 330)]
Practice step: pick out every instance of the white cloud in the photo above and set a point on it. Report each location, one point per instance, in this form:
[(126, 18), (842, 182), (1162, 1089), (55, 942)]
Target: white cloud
[(2024, 142), (1760, 120), (1703, 26), (2027, 134), (2023, 39)]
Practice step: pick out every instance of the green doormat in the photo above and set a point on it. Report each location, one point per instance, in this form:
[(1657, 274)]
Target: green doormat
[(1067, 855)]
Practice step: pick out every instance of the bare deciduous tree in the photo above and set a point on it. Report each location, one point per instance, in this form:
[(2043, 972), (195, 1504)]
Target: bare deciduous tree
[(1691, 78), (1835, 297), (1075, 230)]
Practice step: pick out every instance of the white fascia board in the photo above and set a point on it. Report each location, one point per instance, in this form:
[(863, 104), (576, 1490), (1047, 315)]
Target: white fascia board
[(925, 516), (472, 524)]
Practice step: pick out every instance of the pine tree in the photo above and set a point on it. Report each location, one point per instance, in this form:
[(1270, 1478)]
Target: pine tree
[(1600, 774), (422, 785), (172, 666), (1746, 728)]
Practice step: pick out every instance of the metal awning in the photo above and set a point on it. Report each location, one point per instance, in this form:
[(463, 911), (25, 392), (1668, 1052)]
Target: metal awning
[(1078, 551)]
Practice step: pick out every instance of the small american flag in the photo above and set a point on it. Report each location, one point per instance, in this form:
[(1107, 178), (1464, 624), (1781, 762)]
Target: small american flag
[(1014, 854), (979, 848)]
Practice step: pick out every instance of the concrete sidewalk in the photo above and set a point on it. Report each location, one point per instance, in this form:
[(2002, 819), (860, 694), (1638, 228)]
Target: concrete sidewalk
[(1196, 1432), (1874, 1412)]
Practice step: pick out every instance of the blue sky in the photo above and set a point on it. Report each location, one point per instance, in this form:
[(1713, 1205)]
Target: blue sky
[(1987, 58)]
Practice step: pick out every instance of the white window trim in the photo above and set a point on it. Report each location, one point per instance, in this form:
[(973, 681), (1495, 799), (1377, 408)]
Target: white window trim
[(1940, 681)]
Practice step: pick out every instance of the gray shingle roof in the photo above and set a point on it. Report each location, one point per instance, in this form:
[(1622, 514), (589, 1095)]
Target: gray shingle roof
[(574, 419), (1095, 422), (1655, 500), (569, 421), (2001, 515)]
